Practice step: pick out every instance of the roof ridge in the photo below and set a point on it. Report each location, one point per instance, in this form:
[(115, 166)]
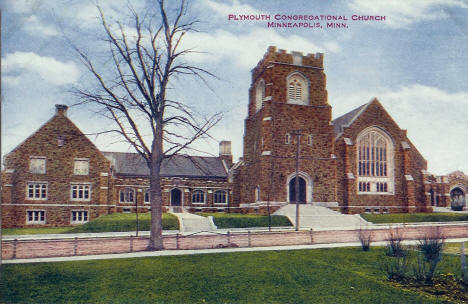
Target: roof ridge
[(348, 118)]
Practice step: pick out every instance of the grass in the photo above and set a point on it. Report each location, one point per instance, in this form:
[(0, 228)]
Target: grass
[(47, 230), (338, 275), (454, 248), (118, 222), (414, 217), (115, 222), (237, 220)]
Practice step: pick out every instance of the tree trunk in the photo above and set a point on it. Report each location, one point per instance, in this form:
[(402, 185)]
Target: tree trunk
[(156, 239)]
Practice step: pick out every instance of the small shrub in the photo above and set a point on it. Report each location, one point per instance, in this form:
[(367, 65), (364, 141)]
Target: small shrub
[(394, 243), (397, 269), (365, 237), (431, 247), (420, 269)]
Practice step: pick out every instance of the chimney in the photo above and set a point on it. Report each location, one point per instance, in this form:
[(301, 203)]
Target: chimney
[(225, 152), (61, 109)]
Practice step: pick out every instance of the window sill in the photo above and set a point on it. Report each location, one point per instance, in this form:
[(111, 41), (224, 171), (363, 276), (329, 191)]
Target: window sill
[(375, 193)]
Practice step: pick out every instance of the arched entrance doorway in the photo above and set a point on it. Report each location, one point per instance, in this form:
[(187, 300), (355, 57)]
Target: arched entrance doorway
[(176, 197), (457, 199), (302, 190)]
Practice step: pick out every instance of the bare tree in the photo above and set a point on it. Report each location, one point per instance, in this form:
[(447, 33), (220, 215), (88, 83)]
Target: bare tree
[(133, 93)]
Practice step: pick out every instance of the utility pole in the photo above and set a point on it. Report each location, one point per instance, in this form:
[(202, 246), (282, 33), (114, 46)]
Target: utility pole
[(298, 134), (136, 210)]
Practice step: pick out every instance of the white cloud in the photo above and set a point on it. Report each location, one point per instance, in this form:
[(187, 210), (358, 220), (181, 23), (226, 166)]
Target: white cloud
[(20, 64), (87, 15), (33, 25), (23, 6), (246, 49), (403, 13), (436, 121), (224, 9)]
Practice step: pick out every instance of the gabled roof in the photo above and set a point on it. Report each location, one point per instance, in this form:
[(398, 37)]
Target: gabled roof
[(133, 164), (65, 122), (347, 119)]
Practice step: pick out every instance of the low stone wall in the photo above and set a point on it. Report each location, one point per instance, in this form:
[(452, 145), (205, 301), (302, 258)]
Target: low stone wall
[(25, 249)]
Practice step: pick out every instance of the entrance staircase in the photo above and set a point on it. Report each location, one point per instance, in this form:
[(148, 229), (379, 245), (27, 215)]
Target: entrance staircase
[(313, 216), (189, 222)]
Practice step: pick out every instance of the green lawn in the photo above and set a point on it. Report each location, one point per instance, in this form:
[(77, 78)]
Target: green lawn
[(125, 222), (48, 230), (339, 275), (114, 222), (455, 248), (414, 217), (237, 220)]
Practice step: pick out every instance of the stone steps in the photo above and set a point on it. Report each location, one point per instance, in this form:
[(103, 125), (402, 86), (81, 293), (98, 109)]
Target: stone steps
[(190, 222), (311, 216)]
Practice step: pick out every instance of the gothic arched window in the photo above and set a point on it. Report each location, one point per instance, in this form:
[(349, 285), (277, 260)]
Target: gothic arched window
[(298, 89), (259, 95), (374, 162)]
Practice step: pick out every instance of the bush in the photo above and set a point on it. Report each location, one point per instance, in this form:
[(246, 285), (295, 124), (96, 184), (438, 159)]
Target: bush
[(397, 269), (237, 220), (431, 247), (365, 237), (394, 243), (420, 269)]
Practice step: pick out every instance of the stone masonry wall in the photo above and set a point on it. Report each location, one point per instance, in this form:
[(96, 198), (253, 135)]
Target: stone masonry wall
[(59, 175), (408, 196)]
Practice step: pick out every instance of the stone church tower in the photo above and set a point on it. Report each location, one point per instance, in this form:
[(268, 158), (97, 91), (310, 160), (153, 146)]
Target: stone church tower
[(287, 97)]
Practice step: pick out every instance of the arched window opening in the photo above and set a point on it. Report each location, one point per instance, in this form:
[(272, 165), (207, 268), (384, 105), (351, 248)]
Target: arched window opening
[(374, 162), (287, 139), (458, 201), (198, 197), (220, 197), (259, 95), (298, 89)]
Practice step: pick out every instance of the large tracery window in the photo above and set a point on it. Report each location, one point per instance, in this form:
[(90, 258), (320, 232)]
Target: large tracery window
[(259, 95), (298, 89), (374, 162)]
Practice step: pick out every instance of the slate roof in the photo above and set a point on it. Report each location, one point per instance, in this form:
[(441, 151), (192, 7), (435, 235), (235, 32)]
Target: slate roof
[(132, 164), (346, 119)]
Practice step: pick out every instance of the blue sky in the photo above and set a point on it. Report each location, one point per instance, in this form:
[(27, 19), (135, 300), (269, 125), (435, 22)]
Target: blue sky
[(415, 62)]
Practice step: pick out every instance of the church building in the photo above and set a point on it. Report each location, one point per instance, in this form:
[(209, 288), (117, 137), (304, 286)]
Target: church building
[(293, 150), (359, 162)]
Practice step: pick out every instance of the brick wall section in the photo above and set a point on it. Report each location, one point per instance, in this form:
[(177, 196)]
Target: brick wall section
[(88, 246), (59, 175)]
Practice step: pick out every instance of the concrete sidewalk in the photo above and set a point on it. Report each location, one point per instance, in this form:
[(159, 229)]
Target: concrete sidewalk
[(141, 254)]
